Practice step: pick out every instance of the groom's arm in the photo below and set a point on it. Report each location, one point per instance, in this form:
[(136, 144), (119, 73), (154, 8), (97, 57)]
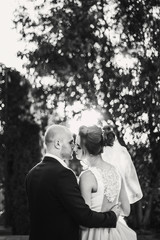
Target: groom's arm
[(70, 197)]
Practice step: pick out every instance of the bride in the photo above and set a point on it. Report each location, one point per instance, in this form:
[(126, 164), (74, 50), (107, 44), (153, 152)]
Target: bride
[(101, 185)]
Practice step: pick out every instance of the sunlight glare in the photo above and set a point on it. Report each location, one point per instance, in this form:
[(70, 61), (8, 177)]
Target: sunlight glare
[(88, 118)]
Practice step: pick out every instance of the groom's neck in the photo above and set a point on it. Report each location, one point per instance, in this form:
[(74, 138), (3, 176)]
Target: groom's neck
[(55, 153)]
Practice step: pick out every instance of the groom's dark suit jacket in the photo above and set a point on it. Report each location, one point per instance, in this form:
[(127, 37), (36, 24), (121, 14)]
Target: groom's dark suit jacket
[(56, 205)]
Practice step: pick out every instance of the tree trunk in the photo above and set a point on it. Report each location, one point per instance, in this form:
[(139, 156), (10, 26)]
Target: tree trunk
[(138, 214), (147, 214)]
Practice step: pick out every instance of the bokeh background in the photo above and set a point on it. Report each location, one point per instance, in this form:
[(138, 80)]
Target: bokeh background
[(79, 62)]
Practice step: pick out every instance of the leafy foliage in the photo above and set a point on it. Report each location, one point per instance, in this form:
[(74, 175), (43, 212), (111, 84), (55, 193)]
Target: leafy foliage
[(77, 43), (20, 145)]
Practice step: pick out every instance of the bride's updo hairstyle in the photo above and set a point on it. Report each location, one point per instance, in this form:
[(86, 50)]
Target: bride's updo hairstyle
[(91, 138), (108, 136), (95, 138)]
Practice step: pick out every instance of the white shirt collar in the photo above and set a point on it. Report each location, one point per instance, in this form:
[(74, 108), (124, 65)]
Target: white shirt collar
[(57, 158)]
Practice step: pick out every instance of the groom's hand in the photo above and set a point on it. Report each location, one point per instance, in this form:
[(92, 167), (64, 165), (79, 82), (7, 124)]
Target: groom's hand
[(116, 209)]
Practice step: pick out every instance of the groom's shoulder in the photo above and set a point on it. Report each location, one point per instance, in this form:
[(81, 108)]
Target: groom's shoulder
[(34, 167), (50, 166)]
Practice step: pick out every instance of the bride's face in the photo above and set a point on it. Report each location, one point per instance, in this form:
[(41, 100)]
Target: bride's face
[(78, 149)]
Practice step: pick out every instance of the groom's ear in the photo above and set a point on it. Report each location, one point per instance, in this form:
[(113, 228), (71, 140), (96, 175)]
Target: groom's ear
[(57, 144)]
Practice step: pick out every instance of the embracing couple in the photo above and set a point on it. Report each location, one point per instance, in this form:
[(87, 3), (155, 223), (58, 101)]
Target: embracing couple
[(62, 209)]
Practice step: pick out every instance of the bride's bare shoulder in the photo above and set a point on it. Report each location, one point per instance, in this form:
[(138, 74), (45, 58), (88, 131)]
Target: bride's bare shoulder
[(87, 180), (86, 174)]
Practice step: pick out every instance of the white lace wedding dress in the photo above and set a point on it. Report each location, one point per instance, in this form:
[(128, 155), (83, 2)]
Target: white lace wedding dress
[(109, 185)]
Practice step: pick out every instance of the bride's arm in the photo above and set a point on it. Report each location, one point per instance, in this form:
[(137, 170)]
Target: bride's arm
[(123, 199), (87, 184)]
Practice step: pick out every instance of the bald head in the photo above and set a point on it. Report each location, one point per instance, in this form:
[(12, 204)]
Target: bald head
[(55, 132), (59, 141)]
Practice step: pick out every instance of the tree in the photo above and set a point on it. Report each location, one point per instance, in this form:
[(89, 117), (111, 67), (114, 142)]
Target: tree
[(77, 43), (21, 147), (141, 26)]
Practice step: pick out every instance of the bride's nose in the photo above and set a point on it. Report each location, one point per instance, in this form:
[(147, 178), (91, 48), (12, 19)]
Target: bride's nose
[(75, 148)]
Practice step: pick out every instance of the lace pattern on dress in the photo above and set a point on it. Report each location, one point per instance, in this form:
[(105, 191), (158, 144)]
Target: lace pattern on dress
[(111, 181)]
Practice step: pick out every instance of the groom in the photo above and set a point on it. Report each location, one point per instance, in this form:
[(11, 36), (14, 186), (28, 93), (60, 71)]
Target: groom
[(55, 203)]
